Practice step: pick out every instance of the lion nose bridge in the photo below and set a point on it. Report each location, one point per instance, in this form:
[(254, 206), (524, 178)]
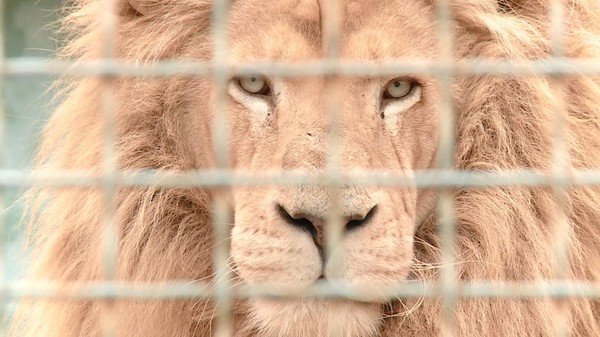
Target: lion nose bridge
[(310, 208), (312, 150)]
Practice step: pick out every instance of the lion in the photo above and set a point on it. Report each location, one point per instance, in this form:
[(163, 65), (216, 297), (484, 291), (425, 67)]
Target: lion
[(390, 122)]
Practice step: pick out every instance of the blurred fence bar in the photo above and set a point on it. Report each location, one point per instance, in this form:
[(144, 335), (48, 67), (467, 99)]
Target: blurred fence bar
[(109, 187), (560, 158), (205, 290), (445, 160), (33, 66), (220, 215), (3, 150), (433, 178)]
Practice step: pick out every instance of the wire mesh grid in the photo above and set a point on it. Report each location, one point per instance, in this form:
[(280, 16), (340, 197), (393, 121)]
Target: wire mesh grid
[(444, 177)]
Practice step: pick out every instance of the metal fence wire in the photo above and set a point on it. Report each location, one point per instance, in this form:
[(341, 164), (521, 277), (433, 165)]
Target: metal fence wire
[(444, 177)]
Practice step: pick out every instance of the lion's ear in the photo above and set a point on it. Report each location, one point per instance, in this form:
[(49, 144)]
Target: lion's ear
[(141, 6)]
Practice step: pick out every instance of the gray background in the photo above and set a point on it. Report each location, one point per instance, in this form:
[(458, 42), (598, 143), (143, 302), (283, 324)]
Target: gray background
[(28, 32)]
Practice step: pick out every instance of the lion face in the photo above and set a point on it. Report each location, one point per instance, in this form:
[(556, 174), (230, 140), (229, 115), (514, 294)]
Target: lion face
[(281, 123)]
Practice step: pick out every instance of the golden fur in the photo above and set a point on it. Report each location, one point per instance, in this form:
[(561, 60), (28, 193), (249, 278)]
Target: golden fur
[(165, 123)]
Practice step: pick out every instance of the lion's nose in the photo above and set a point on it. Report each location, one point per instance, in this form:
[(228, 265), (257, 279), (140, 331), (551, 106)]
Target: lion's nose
[(316, 225)]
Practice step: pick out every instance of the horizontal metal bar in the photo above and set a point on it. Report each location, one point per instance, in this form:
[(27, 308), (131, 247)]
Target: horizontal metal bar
[(551, 66), (437, 178), (196, 289)]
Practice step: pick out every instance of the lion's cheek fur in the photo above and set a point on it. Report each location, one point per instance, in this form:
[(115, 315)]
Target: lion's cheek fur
[(271, 254), (316, 318), (377, 257)]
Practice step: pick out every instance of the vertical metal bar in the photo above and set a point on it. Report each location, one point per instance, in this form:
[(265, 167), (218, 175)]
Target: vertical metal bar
[(559, 150), (3, 206), (560, 158), (109, 247), (220, 217), (331, 16), (445, 159), (332, 21)]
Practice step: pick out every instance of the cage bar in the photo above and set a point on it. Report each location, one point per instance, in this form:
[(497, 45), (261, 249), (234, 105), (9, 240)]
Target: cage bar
[(331, 14), (3, 206), (185, 289), (109, 249), (445, 160), (36, 66), (560, 156), (431, 178), (220, 217)]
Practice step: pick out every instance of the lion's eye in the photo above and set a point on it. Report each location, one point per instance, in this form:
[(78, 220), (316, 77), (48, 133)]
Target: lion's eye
[(255, 85), (398, 88)]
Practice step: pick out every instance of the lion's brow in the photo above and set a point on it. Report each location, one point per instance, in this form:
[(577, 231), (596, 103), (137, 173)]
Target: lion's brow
[(309, 29)]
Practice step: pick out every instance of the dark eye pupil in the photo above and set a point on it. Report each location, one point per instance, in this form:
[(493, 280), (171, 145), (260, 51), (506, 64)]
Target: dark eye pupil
[(397, 84)]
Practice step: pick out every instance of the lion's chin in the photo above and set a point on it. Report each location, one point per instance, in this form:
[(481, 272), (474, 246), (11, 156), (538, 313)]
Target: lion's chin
[(308, 317)]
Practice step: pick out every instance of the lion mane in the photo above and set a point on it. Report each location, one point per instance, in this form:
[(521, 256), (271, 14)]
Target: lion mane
[(503, 233)]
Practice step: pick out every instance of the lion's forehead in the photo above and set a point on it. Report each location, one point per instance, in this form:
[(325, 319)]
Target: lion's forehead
[(292, 30)]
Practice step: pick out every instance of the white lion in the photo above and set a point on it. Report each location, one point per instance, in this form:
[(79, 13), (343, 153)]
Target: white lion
[(278, 122)]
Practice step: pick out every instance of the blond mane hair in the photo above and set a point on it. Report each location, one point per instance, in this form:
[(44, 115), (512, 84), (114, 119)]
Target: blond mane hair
[(503, 233)]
